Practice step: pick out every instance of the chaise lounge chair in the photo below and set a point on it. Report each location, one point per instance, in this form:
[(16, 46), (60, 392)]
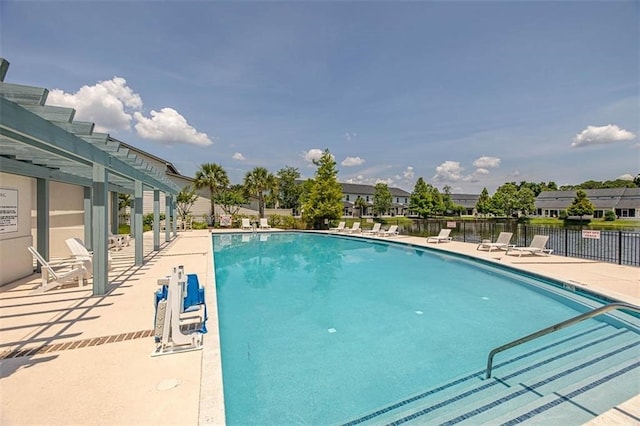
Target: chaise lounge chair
[(373, 231), (80, 252), (52, 278), (264, 223), (443, 236), (246, 224), (536, 246), (338, 228), (391, 232), (118, 241), (502, 243), (354, 228)]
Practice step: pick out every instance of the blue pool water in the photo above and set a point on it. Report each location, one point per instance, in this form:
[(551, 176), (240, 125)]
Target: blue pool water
[(318, 329)]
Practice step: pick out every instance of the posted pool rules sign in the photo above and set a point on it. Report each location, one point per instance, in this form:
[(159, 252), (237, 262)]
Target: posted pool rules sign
[(8, 210)]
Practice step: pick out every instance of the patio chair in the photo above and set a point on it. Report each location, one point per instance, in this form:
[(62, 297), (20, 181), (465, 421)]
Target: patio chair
[(118, 241), (264, 223), (52, 278), (536, 247), (502, 243), (338, 228), (442, 237), (391, 232), (79, 251), (246, 223), (373, 231), (355, 228)]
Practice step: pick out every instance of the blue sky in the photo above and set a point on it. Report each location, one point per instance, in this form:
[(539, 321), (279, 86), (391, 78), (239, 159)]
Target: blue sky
[(468, 94)]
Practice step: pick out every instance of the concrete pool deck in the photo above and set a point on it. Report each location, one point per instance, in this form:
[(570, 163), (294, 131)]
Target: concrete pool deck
[(67, 357)]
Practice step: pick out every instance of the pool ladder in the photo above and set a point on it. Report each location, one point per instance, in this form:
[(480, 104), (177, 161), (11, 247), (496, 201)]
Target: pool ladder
[(556, 327)]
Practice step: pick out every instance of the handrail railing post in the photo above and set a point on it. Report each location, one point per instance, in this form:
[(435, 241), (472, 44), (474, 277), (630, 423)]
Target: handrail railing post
[(556, 327), (620, 247)]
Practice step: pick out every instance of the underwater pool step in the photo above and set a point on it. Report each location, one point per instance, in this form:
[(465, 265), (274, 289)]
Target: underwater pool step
[(468, 391), (533, 387), (582, 401)]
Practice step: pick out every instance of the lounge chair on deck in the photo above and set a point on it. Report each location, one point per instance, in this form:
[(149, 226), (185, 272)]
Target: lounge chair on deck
[(80, 252), (338, 228), (391, 232), (373, 231), (246, 224), (118, 241), (537, 246), (264, 223), (442, 237), (56, 274), (502, 243), (355, 228)]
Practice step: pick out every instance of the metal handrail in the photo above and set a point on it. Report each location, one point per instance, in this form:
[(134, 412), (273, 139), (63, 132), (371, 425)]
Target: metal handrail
[(556, 327)]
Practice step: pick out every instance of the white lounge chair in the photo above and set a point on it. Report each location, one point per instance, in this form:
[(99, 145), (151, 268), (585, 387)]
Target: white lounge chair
[(338, 228), (373, 231), (355, 228), (80, 252), (118, 241), (391, 232), (246, 224), (264, 223), (502, 243), (54, 275), (442, 237), (537, 246)]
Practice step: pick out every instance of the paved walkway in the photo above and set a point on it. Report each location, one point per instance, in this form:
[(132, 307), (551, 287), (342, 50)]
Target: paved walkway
[(67, 357)]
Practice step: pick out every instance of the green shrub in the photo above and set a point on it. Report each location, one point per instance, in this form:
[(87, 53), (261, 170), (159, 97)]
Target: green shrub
[(562, 215), (609, 216)]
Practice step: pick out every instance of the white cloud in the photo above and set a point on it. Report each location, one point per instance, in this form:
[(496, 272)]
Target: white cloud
[(449, 171), (108, 104), (352, 161), (238, 156), (486, 162), (408, 173), (482, 171), (313, 154), (168, 126), (594, 135), (626, 176), (348, 136)]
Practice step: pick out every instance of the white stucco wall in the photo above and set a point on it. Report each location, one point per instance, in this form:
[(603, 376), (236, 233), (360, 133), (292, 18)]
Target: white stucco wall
[(15, 260)]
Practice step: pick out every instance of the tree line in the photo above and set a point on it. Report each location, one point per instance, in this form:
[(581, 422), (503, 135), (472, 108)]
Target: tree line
[(319, 199)]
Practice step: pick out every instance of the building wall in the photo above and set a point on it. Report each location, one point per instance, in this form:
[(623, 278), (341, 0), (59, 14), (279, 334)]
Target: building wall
[(13, 244)]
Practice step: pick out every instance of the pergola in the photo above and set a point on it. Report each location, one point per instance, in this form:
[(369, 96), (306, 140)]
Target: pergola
[(45, 143)]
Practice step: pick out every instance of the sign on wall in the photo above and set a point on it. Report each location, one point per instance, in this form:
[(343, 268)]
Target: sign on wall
[(8, 210)]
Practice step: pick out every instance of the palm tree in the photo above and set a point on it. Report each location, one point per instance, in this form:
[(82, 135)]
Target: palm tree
[(213, 177), (256, 182)]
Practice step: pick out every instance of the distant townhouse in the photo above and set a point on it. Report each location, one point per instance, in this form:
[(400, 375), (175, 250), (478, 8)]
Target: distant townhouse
[(624, 202), (351, 192), (468, 201)]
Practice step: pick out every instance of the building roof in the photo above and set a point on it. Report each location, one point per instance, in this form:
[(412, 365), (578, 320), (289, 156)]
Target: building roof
[(361, 189), (607, 198)]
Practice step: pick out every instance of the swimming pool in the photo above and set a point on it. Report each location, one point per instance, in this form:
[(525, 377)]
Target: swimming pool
[(318, 329)]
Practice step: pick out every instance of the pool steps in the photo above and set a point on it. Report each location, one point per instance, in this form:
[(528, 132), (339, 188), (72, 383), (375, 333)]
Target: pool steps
[(586, 361)]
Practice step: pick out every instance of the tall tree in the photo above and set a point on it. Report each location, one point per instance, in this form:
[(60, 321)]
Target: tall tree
[(257, 182), (504, 201), (525, 200), (324, 197), (231, 199), (421, 200), (288, 190), (483, 206), (382, 199), (213, 177), (185, 199), (581, 205), (360, 204)]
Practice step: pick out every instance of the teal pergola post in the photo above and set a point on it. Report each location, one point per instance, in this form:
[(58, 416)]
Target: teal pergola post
[(168, 212), (137, 217), (174, 212), (88, 221), (156, 220), (100, 229), (115, 220), (42, 218)]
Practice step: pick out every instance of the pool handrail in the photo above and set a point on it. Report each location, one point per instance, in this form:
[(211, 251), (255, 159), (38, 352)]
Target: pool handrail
[(556, 327)]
